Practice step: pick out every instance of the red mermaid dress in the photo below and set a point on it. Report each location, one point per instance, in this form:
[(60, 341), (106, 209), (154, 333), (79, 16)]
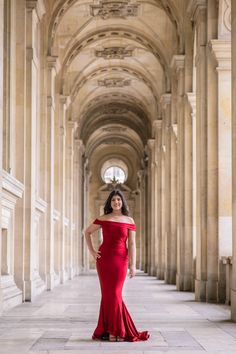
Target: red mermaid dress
[(114, 317)]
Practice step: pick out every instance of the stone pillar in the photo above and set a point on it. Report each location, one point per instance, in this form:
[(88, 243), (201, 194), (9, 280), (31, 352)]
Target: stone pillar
[(184, 244), (1, 132), (191, 176), (63, 104), (52, 70), (158, 196), (233, 50), (197, 10), (34, 12), (141, 184), (87, 175), (169, 267), (78, 216), (153, 209), (70, 129), (221, 239), (173, 189)]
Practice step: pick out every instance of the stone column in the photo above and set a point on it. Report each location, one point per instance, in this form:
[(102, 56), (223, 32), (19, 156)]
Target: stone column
[(191, 176), (1, 132), (78, 215), (197, 10), (152, 210), (52, 70), (220, 242), (63, 104), (173, 187), (70, 129), (184, 249), (158, 197), (169, 274), (141, 186), (233, 50), (34, 12), (151, 206)]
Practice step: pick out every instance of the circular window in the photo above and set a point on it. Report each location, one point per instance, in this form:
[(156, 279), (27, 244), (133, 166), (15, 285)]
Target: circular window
[(114, 174), (114, 170)]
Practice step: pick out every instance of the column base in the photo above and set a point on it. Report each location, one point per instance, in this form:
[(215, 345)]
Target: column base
[(200, 290), (160, 274), (233, 305), (63, 275), (153, 271), (34, 287), (184, 282), (50, 281), (212, 291), (170, 276), (11, 295), (71, 273)]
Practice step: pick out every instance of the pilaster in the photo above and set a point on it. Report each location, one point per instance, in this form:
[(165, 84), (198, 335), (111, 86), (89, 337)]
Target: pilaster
[(70, 129), (233, 287), (1, 132), (219, 159), (52, 70)]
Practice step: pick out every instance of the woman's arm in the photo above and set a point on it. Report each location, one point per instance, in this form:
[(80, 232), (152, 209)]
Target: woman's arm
[(132, 253), (88, 232)]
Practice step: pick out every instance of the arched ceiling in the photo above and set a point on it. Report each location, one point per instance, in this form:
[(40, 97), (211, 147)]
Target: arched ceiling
[(115, 57)]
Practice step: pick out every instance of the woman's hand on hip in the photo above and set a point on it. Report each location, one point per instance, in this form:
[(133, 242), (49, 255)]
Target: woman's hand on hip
[(132, 271), (96, 254)]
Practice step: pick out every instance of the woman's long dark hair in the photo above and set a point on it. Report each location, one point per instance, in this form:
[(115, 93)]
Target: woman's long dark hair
[(108, 209)]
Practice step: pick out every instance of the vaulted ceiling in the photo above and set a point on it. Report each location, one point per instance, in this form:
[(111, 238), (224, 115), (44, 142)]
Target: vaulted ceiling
[(115, 57)]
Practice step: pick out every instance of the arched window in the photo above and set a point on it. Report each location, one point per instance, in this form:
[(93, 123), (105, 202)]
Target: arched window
[(114, 174)]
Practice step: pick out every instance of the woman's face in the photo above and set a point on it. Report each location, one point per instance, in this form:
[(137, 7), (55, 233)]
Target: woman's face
[(116, 202)]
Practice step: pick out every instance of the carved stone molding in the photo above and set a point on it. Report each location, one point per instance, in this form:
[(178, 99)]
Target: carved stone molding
[(224, 21), (40, 205), (114, 9), (114, 129), (114, 53), (114, 82), (12, 185), (177, 62), (221, 49), (115, 110), (191, 97)]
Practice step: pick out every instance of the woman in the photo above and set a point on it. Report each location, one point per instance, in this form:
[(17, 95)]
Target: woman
[(112, 257)]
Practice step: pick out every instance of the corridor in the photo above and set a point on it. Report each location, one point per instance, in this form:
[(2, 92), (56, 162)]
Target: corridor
[(62, 320)]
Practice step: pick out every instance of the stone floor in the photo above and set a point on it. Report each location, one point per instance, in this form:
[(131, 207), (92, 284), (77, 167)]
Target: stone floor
[(62, 321)]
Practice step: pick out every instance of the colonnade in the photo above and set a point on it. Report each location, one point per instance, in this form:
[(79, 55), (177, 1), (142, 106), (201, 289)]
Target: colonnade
[(41, 179), (183, 206), (190, 162)]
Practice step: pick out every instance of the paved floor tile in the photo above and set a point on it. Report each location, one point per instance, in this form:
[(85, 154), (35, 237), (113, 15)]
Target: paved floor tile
[(62, 321)]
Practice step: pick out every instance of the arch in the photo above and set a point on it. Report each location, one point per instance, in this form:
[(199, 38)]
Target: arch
[(81, 80), (64, 5)]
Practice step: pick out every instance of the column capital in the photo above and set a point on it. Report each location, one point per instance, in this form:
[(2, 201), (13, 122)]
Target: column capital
[(71, 124), (194, 8), (156, 125), (79, 145), (65, 100), (150, 143), (38, 6), (221, 49), (191, 97), (165, 99), (175, 129), (53, 63), (177, 62)]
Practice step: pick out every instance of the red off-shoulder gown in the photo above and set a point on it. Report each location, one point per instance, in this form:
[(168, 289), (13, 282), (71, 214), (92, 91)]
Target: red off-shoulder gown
[(114, 317)]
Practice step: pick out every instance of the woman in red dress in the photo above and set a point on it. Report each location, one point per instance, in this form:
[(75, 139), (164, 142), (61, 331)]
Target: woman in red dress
[(112, 258)]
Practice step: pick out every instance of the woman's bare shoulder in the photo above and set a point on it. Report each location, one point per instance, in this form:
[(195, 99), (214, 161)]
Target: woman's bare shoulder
[(130, 220), (102, 217)]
